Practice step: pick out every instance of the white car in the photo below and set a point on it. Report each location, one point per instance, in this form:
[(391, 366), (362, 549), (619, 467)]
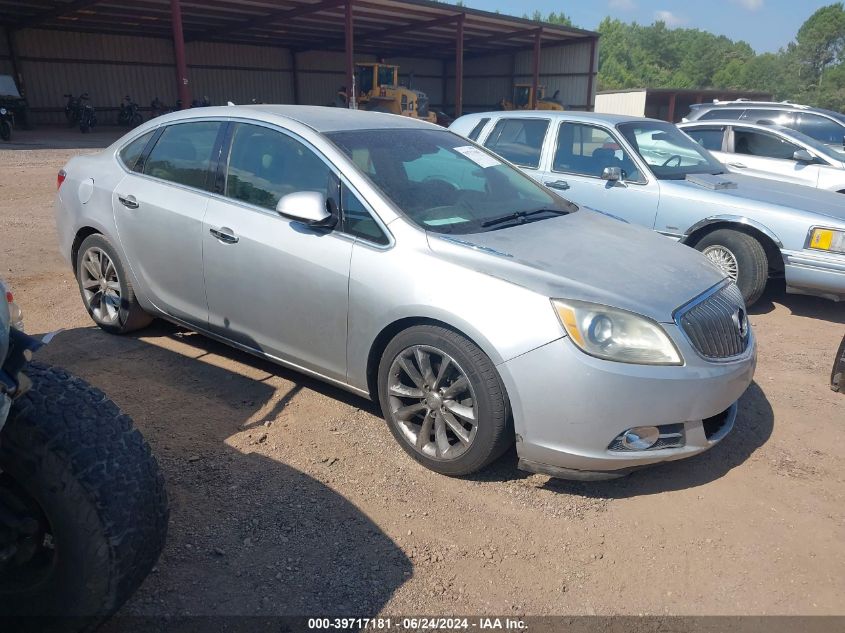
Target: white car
[(771, 151)]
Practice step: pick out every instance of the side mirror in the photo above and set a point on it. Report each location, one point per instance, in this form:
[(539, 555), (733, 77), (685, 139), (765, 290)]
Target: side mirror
[(308, 207), (612, 174), (803, 156)]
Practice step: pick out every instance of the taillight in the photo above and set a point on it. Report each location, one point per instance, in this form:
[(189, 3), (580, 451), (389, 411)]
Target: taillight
[(9, 297), (60, 178)]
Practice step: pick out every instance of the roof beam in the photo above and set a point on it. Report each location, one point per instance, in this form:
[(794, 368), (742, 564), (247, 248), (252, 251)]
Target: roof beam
[(276, 16), (389, 32), (49, 14)]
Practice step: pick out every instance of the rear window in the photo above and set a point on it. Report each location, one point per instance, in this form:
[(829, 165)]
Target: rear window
[(183, 153), (130, 153), (519, 140), (731, 114), (473, 136), (708, 137)]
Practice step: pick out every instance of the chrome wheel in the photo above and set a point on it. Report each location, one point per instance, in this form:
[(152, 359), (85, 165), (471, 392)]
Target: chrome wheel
[(432, 402), (724, 259), (100, 285)]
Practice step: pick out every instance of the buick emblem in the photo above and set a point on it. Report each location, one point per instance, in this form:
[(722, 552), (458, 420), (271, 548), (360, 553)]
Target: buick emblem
[(740, 319)]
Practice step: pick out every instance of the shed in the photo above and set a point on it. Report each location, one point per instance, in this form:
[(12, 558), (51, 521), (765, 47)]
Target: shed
[(668, 104)]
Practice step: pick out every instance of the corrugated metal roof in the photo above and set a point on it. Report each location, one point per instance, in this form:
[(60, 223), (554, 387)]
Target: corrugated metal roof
[(381, 27)]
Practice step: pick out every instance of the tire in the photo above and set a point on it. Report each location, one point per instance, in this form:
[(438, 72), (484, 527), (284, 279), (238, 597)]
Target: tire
[(121, 313), (5, 130), (137, 119), (490, 435), (751, 264), (89, 479), (84, 127)]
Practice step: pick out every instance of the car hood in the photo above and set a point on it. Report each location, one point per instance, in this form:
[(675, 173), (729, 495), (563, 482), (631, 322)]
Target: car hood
[(590, 257), (763, 192)]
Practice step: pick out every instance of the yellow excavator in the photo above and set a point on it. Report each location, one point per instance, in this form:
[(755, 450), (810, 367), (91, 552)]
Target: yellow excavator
[(378, 90), (523, 98)]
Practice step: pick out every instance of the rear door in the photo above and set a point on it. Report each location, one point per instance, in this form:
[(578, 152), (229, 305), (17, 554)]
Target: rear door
[(159, 208), (580, 153), (767, 155), (520, 140), (713, 138)]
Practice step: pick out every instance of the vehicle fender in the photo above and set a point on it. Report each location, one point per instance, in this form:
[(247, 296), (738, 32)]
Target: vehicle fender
[(730, 219)]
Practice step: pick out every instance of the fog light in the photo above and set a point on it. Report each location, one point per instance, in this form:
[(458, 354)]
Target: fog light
[(640, 438)]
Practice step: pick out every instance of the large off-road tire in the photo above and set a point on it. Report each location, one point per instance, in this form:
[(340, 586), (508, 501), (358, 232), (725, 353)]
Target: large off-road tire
[(80, 471), (454, 419), (742, 257), (115, 308)]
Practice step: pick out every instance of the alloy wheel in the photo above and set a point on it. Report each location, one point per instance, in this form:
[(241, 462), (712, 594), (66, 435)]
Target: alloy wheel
[(100, 285), (724, 259), (432, 402)]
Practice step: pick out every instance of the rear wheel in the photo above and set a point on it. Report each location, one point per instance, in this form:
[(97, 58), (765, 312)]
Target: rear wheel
[(83, 507), (5, 130), (106, 291), (443, 400), (741, 257)]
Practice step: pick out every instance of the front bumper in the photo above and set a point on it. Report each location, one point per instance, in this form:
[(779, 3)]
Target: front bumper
[(815, 273), (568, 407)]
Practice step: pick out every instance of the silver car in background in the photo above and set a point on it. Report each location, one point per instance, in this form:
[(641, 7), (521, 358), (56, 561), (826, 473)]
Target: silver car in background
[(648, 172), (395, 259), (771, 151)]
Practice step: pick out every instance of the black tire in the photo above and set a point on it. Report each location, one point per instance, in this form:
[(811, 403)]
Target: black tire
[(752, 264), (5, 130), (137, 119), (494, 433), (98, 491), (131, 316), (84, 127)]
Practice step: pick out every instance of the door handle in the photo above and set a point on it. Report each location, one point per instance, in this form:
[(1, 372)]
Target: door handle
[(557, 184), (224, 234), (738, 165), (129, 202)]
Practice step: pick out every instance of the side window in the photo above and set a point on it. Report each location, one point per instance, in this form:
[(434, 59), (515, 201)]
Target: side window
[(357, 220), (731, 114), (473, 136), (587, 150), (708, 137), (780, 117), (183, 153), (130, 153), (519, 140), (753, 143), (821, 128), (264, 165)]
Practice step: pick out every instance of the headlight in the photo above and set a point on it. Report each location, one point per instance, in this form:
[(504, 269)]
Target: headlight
[(2, 110), (616, 335), (831, 240)]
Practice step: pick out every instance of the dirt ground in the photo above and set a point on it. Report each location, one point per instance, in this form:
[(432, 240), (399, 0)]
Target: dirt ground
[(291, 497)]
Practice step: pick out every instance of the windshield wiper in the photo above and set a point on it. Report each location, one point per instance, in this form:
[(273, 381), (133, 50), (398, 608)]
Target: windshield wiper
[(520, 216)]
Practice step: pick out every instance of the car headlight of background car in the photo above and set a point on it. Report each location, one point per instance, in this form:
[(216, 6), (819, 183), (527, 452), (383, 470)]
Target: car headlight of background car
[(830, 240), (616, 335)]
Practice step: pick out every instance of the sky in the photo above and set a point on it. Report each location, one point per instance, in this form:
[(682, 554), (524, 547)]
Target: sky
[(765, 24)]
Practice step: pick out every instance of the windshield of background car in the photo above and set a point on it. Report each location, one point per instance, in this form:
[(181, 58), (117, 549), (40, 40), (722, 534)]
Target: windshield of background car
[(443, 183), (670, 153)]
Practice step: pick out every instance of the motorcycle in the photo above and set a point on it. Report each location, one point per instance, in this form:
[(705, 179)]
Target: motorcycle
[(87, 116), (83, 507), (129, 113), (837, 375), (73, 109), (6, 121), (158, 107)]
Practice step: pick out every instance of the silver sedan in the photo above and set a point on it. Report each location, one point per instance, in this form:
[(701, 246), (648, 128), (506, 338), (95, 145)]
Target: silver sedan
[(394, 259)]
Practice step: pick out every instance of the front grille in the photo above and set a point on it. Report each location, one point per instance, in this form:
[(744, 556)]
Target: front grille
[(718, 325)]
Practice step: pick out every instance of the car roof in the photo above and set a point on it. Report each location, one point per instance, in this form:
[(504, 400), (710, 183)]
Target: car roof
[(569, 115), (322, 119)]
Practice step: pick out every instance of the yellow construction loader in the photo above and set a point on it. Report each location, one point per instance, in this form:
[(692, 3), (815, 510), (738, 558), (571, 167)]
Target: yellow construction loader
[(523, 99), (378, 89)]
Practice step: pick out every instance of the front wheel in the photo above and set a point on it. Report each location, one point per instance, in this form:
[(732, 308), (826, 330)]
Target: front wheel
[(84, 507), (443, 400), (106, 291), (741, 257), (5, 130)]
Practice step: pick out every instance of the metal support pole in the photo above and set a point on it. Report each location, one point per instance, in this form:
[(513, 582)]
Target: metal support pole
[(535, 79), (591, 78), (459, 67), (670, 116), (349, 32), (179, 49), (294, 77)]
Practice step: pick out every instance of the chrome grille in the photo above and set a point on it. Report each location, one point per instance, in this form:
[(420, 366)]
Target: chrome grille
[(717, 325)]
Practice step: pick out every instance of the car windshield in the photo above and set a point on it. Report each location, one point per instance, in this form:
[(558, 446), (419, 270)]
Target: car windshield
[(445, 184), (671, 154)]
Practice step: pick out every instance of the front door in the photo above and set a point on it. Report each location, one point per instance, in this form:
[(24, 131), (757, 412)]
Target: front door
[(581, 154), (275, 285), (767, 155), (159, 214)]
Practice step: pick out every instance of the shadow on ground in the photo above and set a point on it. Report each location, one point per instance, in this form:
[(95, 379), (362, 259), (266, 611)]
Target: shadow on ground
[(249, 535), (799, 305), (61, 137)]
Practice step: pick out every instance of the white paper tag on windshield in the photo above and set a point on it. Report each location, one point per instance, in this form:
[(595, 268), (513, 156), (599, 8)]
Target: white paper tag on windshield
[(479, 157)]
